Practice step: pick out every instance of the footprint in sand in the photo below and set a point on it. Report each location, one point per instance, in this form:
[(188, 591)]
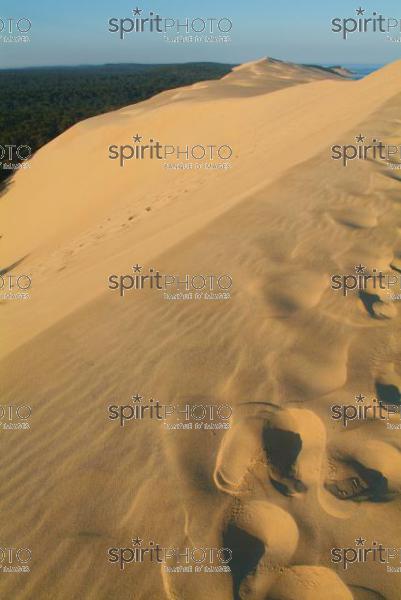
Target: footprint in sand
[(356, 218), (262, 535), (309, 583), (368, 472), (268, 460), (282, 448), (396, 263), (354, 481), (388, 386), (293, 291), (378, 304), (364, 593), (314, 367)]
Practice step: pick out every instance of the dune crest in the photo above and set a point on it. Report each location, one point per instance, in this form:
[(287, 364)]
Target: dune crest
[(286, 483), (53, 225)]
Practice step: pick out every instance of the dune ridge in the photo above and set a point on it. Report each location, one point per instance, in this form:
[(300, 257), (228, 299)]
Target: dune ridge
[(100, 191), (278, 485)]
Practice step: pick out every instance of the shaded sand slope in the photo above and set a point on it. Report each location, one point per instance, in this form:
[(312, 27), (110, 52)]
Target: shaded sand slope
[(76, 214), (259, 77), (281, 351)]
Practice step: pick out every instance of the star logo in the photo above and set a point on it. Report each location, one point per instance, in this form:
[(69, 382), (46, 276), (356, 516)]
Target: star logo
[(137, 11), (360, 11), (360, 268), (136, 541), (137, 268), (137, 397), (360, 541), (137, 138), (360, 398), (360, 138)]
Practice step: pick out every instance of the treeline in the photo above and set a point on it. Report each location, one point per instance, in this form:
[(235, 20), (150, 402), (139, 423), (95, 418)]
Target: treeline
[(37, 104)]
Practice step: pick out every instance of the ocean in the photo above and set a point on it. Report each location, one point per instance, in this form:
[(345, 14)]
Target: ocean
[(361, 71)]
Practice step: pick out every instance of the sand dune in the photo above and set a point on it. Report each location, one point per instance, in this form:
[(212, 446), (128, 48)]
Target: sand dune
[(285, 483), (102, 198)]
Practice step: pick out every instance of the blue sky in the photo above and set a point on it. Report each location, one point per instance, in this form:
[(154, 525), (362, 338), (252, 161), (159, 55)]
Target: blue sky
[(75, 32)]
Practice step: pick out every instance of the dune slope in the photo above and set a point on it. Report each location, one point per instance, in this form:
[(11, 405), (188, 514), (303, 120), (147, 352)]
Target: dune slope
[(281, 351)]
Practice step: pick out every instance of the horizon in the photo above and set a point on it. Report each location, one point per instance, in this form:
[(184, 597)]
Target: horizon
[(230, 64), (80, 34)]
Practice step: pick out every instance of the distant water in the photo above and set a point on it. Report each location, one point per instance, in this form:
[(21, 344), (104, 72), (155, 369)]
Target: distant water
[(361, 71)]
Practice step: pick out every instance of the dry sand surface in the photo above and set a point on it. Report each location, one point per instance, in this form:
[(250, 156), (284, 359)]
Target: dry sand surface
[(285, 483)]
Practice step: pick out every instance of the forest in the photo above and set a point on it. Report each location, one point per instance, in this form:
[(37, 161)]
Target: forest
[(38, 104)]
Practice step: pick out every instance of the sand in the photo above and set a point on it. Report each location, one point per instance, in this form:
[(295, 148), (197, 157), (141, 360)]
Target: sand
[(281, 351)]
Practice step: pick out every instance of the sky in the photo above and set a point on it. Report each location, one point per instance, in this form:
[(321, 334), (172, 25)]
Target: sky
[(76, 32)]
